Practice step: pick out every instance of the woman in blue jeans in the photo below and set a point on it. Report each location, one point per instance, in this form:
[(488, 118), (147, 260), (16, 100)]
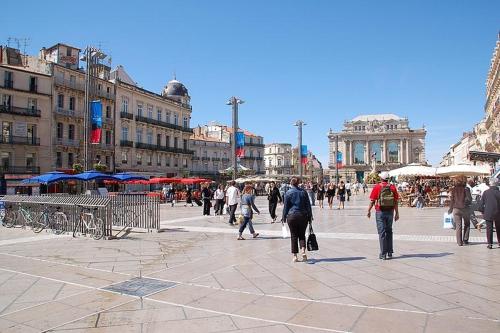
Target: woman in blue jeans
[(247, 208)]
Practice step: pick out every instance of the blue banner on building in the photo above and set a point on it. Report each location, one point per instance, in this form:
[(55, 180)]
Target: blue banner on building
[(303, 151), (240, 139), (96, 121)]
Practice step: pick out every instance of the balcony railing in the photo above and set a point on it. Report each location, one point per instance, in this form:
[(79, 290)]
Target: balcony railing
[(148, 146), (257, 158), (216, 159), (67, 142), (20, 111), (19, 140), (225, 159), (70, 84), (19, 169), (196, 158), (140, 145), (69, 113), (162, 123), (253, 144), (107, 146), (104, 94), (126, 115), (205, 158), (126, 143)]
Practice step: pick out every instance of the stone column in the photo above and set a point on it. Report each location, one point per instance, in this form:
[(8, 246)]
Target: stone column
[(367, 152), (352, 153), (401, 151), (384, 151), (408, 155), (347, 149)]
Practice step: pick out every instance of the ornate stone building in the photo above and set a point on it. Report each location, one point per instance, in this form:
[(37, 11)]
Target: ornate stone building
[(386, 138), (211, 154), (278, 159)]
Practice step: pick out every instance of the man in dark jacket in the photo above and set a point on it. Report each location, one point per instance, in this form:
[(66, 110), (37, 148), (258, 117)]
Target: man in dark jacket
[(490, 207), (274, 197)]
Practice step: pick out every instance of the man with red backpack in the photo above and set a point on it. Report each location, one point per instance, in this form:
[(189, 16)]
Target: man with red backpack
[(384, 197)]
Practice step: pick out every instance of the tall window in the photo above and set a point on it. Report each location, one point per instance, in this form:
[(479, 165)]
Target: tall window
[(185, 145), (72, 103), (108, 137), (60, 130), (71, 160), (376, 148), (124, 104), (8, 81), (139, 135), (124, 157), (150, 111), (108, 111), (158, 114), (150, 159), (150, 137), (167, 116), (359, 153), (138, 158), (30, 160), (33, 84), (158, 139), (58, 159), (125, 133), (185, 122), (176, 143), (139, 109), (167, 141), (60, 101), (71, 132), (393, 151), (158, 159), (167, 161), (176, 119), (32, 103)]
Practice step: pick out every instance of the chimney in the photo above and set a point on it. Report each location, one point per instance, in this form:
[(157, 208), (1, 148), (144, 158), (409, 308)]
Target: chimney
[(42, 54)]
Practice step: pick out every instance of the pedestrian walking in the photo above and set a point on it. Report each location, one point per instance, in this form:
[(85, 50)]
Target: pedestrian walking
[(330, 194), (490, 207), (321, 195), (297, 213), (341, 192), (206, 197), (247, 208), (460, 202), (189, 197), (219, 200), (232, 199), (310, 193), (348, 190), (273, 197), (384, 196), (171, 195)]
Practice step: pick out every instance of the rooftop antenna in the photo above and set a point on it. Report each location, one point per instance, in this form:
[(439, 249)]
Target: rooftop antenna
[(18, 42), (175, 76)]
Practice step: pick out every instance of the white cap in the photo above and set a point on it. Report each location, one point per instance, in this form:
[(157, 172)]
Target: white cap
[(384, 175)]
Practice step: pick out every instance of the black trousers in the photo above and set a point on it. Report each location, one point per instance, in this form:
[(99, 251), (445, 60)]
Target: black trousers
[(206, 207), (232, 210), (219, 205), (489, 231), (272, 209), (298, 225)]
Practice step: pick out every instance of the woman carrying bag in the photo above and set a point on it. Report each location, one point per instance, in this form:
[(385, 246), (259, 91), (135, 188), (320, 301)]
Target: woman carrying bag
[(247, 208), (298, 214)]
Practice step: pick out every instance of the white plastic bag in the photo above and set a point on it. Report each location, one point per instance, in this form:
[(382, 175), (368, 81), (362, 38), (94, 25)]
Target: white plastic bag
[(447, 221), (284, 230)]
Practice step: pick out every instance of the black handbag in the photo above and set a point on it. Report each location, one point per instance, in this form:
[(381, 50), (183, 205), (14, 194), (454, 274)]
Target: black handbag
[(312, 243)]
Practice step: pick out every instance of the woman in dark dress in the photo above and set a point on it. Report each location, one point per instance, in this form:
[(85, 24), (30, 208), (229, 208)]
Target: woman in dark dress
[(330, 194), (341, 193), (206, 196), (321, 195), (189, 197)]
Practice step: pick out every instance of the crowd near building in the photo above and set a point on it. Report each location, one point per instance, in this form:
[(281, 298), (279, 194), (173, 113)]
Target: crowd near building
[(482, 144), (385, 140), (45, 122)]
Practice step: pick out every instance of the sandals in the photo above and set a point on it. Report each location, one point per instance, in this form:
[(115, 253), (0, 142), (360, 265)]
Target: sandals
[(240, 238), (256, 235)]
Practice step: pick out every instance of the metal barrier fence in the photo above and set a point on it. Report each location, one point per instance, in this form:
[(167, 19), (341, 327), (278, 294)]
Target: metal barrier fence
[(123, 211)]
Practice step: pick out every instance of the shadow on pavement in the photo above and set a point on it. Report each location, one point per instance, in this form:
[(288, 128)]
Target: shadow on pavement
[(424, 255), (313, 261)]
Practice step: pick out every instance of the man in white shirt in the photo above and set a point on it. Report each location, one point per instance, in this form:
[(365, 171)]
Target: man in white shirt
[(232, 199), (348, 190)]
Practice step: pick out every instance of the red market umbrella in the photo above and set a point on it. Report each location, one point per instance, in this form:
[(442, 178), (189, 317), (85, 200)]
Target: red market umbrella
[(190, 181), (138, 181), (164, 180)]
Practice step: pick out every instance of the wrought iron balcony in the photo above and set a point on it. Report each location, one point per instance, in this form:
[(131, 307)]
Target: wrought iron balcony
[(69, 84), (19, 169), (9, 84), (253, 144), (19, 140), (126, 115), (126, 143), (69, 113), (67, 142), (20, 111), (162, 123)]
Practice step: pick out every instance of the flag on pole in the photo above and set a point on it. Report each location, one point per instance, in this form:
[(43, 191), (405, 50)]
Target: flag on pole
[(303, 154), (96, 122), (240, 143), (339, 160)]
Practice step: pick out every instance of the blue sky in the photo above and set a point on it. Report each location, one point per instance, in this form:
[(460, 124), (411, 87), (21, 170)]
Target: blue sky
[(320, 61)]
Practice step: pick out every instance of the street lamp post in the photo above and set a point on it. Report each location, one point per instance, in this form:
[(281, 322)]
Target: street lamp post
[(299, 124), (336, 160), (234, 101)]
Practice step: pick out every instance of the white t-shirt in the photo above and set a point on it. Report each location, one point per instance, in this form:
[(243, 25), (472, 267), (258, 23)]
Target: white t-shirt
[(219, 194), (233, 195), (347, 186)]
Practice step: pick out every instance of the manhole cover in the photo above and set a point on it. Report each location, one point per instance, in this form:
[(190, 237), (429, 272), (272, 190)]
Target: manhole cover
[(140, 286)]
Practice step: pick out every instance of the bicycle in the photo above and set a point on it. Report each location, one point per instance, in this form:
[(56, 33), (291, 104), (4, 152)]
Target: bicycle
[(92, 225), (55, 221), (13, 216)]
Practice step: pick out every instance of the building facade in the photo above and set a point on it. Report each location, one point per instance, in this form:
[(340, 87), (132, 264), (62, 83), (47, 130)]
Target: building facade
[(152, 130), (254, 145), (211, 155), (492, 105), (385, 139), (25, 118), (278, 159), (68, 105)]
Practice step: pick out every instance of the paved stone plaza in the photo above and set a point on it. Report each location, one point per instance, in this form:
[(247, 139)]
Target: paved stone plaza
[(194, 276)]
